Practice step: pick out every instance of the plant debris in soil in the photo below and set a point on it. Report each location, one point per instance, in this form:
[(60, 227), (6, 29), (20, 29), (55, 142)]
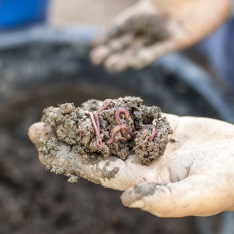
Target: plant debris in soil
[(114, 127)]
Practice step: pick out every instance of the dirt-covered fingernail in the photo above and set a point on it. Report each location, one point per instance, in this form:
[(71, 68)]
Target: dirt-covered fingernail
[(40, 131), (127, 197), (133, 197), (130, 199)]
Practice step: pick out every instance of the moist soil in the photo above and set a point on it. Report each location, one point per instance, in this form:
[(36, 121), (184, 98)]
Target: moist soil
[(114, 127)]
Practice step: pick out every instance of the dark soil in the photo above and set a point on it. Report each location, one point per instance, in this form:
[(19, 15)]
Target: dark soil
[(110, 128)]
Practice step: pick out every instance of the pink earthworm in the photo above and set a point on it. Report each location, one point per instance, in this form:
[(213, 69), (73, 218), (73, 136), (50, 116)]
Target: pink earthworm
[(80, 133), (105, 105), (96, 129), (119, 120), (154, 133), (115, 130), (96, 118), (118, 112), (149, 138)]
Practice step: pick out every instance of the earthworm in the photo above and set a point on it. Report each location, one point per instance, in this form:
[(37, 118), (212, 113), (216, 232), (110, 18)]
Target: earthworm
[(149, 138), (118, 112), (121, 127), (119, 120), (105, 106), (80, 133), (96, 118), (154, 133), (96, 128), (115, 130)]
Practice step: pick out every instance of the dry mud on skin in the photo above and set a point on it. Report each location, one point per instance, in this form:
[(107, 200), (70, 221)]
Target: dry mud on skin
[(110, 128), (151, 28)]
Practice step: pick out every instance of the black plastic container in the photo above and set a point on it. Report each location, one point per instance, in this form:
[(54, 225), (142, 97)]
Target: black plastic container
[(45, 66)]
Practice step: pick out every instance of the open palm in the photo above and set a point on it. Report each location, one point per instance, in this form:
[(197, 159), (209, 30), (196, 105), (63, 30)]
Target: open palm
[(193, 177), (152, 28)]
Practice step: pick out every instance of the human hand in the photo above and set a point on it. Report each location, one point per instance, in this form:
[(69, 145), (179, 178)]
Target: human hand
[(152, 28), (193, 177)]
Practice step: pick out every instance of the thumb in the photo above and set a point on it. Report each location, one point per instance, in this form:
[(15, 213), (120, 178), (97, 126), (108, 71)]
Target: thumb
[(196, 195)]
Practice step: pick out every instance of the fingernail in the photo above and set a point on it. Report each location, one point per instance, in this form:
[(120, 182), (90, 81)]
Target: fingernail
[(98, 54), (129, 199)]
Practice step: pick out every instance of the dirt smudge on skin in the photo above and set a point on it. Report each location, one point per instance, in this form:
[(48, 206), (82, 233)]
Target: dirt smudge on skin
[(138, 192), (149, 27), (109, 174), (142, 191)]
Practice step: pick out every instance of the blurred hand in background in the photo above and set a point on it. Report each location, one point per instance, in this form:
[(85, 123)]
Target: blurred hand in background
[(152, 28)]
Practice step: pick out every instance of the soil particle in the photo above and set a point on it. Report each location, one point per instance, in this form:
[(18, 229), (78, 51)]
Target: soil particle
[(110, 128)]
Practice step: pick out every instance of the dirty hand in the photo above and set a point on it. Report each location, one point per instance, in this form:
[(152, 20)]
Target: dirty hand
[(152, 28), (193, 177)]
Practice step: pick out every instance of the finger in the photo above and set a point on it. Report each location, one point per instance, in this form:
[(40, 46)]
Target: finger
[(111, 32), (118, 26), (117, 29), (149, 54), (115, 63), (112, 172), (136, 56), (118, 62), (172, 119), (195, 195), (100, 53)]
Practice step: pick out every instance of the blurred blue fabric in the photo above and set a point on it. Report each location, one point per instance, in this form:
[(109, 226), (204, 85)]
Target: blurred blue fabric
[(15, 13), (219, 49)]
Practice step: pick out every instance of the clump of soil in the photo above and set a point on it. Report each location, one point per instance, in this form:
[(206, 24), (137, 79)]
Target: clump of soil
[(110, 128)]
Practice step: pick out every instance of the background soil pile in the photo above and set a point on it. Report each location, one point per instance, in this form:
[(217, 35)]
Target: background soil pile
[(35, 201)]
